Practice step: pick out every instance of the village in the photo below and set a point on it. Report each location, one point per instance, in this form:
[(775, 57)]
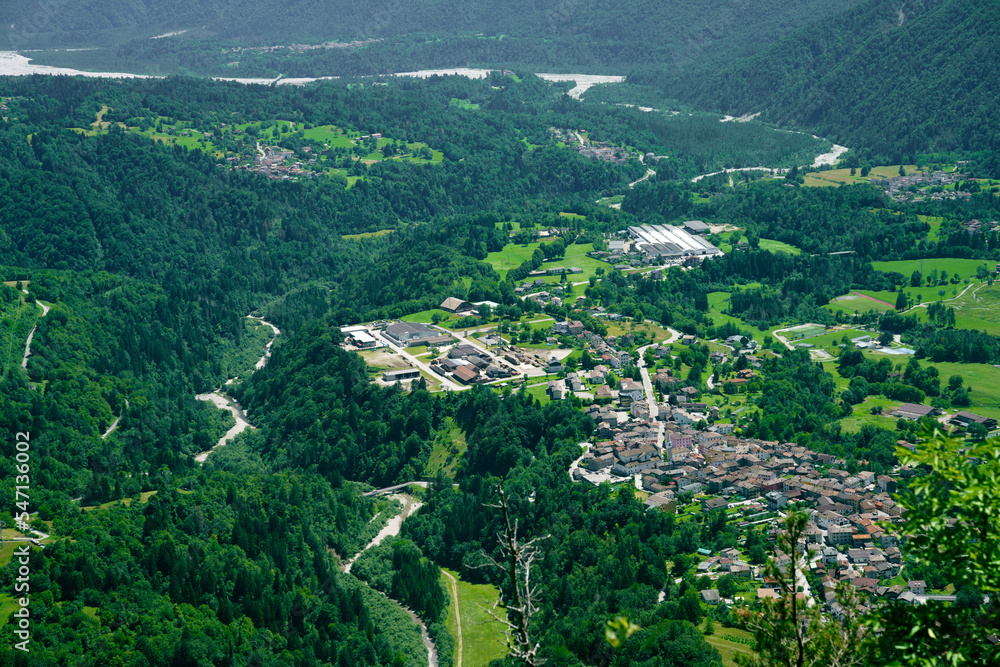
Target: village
[(923, 186), (689, 465), (675, 441), (598, 150)]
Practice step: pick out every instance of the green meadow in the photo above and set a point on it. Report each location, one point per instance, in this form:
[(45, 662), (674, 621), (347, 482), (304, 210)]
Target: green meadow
[(482, 636), (965, 268), (778, 246)]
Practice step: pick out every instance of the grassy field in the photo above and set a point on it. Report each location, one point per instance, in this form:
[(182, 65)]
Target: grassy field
[(463, 104), (657, 332), (836, 177), (482, 636), (8, 605), (856, 303), (367, 235), (727, 648), (143, 497), (540, 392), (978, 308), (965, 268), (608, 201), (935, 223), (778, 246), (719, 301), (449, 447), (862, 415), (426, 316), (512, 256), (982, 379)]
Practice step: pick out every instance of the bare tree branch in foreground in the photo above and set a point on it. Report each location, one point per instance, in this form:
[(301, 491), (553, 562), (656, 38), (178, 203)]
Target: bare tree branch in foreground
[(516, 561)]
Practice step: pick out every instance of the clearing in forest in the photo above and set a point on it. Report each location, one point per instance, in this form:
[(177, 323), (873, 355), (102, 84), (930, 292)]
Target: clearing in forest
[(482, 636)]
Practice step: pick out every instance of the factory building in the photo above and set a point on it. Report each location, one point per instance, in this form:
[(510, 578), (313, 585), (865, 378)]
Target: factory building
[(665, 242)]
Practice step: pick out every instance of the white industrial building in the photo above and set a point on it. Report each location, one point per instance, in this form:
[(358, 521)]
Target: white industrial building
[(666, 242)]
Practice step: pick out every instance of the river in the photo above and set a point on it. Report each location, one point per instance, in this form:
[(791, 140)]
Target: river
[(391, 529), (226, 402), (15, 64)]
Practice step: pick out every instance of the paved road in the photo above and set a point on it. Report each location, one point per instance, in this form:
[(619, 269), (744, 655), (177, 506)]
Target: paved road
[(647, 385), (649, 172), (447, 384), (576, 464)]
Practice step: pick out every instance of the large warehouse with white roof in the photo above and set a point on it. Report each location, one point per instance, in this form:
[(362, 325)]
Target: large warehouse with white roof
[(666, 242)]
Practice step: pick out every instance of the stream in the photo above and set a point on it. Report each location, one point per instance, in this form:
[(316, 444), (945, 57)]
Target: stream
[(31, 335), (226, 402), (391, 529)]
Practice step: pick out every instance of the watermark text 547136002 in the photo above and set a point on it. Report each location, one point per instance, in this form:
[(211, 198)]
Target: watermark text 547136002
[(22, 555)]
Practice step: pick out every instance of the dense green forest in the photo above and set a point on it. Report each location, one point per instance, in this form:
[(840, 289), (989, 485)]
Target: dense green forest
[(149, 256), (888, 78), (443, 33)]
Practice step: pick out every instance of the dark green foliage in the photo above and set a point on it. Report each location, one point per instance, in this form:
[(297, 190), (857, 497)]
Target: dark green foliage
[(442, 33), (888, 79), (316, 407), (668, 644), (237, 572)]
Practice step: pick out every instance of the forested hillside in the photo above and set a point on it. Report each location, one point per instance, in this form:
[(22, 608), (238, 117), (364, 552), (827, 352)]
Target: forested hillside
[(142, 221), (443, 33), (888, 78)]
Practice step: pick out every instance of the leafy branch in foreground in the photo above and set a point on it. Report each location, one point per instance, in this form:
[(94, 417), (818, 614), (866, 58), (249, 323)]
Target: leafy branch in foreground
[(953, 521), (791, 630), (516, 560)]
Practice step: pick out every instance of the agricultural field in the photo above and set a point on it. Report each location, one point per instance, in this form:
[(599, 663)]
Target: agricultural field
[(836, 177)]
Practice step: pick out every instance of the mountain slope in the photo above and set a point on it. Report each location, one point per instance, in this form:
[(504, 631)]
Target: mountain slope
[(898, 77), (639, 32)]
